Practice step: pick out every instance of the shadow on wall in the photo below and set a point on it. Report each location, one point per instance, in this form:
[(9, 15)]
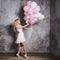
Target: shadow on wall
[(13, 35), (21, 15)]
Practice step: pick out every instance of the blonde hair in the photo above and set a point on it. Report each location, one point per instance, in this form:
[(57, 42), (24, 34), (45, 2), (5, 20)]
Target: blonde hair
[(15, 23)]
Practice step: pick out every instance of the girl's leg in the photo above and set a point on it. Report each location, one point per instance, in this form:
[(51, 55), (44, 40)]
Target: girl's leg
[(25, 50), (24, 47), (19, 48)]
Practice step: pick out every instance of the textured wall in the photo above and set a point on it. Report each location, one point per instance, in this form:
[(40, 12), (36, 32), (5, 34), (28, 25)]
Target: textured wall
[(37, 39), (55, 27)]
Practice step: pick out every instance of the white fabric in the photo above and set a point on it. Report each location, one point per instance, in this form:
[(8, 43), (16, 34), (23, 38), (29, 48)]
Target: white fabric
[(20, 36)]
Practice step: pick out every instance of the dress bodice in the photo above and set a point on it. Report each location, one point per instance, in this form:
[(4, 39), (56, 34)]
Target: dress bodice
[(19, 30)]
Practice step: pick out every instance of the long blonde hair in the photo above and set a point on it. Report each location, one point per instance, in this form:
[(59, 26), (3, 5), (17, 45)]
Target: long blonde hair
[(15, 23)]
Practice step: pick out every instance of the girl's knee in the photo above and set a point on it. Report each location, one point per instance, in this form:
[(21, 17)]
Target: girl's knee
[(23, 43)]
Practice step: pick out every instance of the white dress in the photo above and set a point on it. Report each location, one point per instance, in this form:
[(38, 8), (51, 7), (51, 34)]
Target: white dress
[(20, 36)]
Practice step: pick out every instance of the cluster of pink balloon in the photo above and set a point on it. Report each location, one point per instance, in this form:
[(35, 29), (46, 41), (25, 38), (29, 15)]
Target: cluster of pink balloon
[(31, 12)]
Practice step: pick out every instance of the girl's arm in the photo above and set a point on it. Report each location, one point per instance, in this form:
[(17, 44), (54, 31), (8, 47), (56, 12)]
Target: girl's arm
[(27, 28), (20, 26)]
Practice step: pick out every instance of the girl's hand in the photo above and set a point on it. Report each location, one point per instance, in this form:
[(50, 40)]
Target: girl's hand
[(26, 25), (30, 28)]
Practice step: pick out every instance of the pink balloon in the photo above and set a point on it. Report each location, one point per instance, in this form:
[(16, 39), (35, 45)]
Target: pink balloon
[(34, 21), (30, 11), (31, 21), (38, 8), (28, 17), (28, 21), (33, 4), (35, 11), (26, 8), (26, 13), (29, 3)]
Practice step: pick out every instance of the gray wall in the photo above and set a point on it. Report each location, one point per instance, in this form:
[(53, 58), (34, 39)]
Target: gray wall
[(55, 27), (37, 39)]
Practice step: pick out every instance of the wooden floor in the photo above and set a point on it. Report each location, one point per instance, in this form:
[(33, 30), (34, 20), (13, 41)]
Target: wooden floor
[(35, 56)]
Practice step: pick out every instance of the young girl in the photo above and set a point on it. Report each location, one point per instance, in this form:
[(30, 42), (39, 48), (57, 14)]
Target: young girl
[(20, 37)]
